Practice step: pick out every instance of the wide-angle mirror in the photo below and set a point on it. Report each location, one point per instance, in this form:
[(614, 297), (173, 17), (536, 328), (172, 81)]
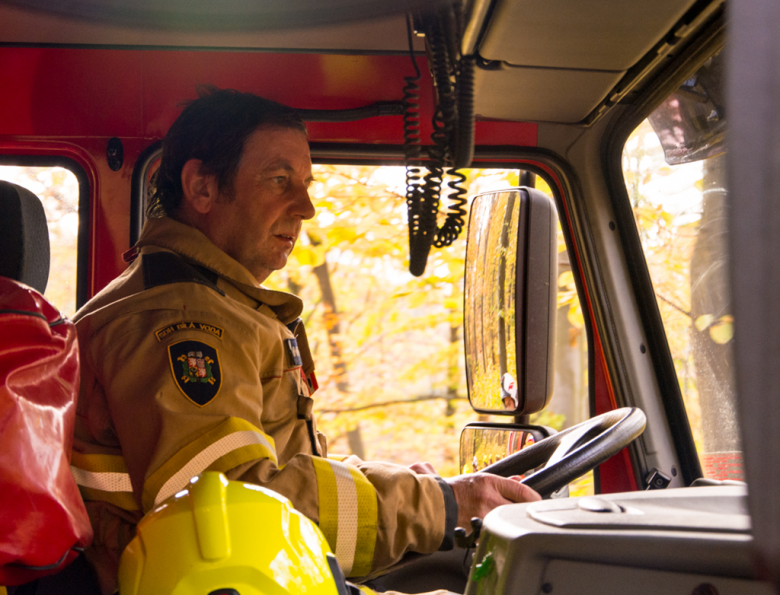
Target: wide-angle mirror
[(482, 444), (510, 301)]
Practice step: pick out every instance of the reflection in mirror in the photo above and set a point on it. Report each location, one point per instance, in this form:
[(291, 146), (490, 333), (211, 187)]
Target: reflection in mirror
[(510, 301), (490, 285), (483, 445)]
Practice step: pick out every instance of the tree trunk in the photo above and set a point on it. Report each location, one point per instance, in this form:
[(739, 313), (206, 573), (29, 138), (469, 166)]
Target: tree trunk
[(710, 295), (570, 393), (453, 371), (332, 324)]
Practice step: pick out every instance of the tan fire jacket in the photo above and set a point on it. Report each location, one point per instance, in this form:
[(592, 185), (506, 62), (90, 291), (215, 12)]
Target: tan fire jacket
[(189, 365)]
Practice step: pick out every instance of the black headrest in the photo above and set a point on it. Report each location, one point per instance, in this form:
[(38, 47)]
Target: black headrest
[(24, 239)]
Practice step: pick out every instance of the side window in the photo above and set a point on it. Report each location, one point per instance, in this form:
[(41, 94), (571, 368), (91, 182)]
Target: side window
[(58, 190), (389, 346), (674, 168)]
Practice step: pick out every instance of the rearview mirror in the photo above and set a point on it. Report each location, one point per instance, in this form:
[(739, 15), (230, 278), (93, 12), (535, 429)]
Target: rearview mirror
[(510, 301), (482, 444)]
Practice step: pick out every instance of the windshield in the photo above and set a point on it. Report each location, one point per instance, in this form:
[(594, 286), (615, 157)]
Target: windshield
[(389, 346), (674, 168)]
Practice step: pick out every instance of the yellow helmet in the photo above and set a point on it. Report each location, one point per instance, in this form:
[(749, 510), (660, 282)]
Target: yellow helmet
[(220, 537)]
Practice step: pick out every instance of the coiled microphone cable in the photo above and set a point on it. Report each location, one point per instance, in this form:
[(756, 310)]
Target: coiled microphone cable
[(420, 237), (452, 136)]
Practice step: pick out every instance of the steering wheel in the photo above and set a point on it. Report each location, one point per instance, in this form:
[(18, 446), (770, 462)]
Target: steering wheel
[(573, 452)]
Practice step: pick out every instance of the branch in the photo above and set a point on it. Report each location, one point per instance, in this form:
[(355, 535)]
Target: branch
[(395, 402), (673, 305)]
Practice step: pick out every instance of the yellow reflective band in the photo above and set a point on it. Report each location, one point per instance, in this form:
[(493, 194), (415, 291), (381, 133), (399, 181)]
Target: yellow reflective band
[(328, 501), (108, 482), (348, 517), (367, 523), (104, 478), (232, 443), (99, 463), (347, 514), (124, 500), (339, 458)]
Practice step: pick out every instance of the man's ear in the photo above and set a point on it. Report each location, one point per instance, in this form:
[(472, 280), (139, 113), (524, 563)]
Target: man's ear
[(200, 190)]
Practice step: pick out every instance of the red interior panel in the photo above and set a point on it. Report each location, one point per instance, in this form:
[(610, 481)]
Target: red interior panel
[(67, 101)]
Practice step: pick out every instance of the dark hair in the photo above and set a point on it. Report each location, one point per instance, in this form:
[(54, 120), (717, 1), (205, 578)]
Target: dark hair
[(213, 129)]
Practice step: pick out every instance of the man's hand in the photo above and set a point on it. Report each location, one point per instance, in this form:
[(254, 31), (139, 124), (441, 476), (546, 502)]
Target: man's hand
[(479, 493)]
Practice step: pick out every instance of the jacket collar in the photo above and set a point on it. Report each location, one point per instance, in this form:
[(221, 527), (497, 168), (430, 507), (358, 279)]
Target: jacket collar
[(196, 248)]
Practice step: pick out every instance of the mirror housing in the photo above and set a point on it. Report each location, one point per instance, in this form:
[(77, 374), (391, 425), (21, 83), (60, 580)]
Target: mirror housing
[(483, 444), (511, 291)]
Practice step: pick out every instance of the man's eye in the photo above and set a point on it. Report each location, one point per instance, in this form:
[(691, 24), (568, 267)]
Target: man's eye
[(279, 179)]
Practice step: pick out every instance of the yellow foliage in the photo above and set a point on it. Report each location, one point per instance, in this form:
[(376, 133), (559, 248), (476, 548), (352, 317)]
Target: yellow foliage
[(722, 331), (307, 256), (575, 316), (703, 321)]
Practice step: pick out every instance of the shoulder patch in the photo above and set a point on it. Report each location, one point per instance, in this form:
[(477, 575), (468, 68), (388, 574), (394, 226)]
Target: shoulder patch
[(164, 268), (196, 370), (189, 325)]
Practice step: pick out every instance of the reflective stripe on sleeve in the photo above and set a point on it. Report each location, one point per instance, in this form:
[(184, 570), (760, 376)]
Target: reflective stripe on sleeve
[(339, 458), (232, 443), (104, 478), (347, 514)]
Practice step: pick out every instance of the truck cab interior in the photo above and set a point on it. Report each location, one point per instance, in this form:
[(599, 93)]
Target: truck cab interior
[(556, 91)]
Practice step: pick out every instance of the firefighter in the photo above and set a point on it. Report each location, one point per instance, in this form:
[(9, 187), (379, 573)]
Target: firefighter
[(189, 364)]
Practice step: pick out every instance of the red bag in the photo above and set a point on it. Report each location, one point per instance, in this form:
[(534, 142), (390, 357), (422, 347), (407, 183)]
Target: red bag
[(43, 522)]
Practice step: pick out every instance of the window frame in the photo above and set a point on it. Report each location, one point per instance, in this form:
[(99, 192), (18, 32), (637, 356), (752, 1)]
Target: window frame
[(84, 211), (666, 82)]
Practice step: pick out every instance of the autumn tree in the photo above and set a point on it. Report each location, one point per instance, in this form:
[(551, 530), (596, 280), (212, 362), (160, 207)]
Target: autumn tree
[(388, 346)]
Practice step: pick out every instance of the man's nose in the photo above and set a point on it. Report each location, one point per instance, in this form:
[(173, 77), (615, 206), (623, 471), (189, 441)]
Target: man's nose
[(302, 205)]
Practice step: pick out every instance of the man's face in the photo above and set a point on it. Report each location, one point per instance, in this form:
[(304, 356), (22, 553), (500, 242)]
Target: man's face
[(260, 224)]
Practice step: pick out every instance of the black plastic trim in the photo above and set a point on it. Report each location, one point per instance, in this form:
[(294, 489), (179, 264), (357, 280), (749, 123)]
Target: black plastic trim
[(338, 574), (82, 264), (668, 48), (138, 188), (56, 564), (544, 431), (374, 110), (25, 313)]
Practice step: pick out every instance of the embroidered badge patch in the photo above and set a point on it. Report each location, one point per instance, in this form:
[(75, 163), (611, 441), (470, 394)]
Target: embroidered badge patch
[(189, 325), (195, 367)]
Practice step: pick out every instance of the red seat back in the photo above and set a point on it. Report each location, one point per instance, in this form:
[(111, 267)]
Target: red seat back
[(43, 522)]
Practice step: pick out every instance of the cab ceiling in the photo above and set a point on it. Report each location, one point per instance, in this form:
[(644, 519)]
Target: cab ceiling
[(557, 60), (551, 61)]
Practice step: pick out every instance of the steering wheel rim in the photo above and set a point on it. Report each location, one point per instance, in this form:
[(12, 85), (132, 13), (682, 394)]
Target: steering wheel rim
[(585, 446)]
